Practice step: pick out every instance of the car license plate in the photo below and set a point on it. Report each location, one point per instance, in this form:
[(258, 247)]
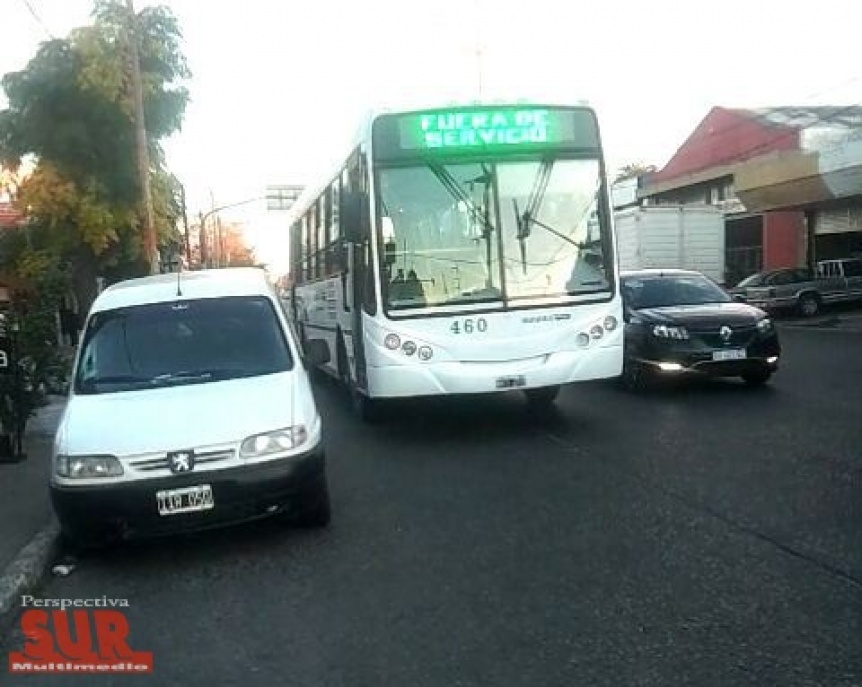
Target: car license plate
[(186, 500), (511, 382), (729, 354)]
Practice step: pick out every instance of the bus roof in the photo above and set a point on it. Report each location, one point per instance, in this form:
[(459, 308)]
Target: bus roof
[(362, 138)]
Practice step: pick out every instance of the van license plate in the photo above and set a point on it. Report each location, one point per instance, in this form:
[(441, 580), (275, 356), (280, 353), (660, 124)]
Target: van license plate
[(186, 500), (729, 354), (511, 382)]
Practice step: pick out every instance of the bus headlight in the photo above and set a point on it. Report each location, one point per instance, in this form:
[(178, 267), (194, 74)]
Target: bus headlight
[(583, 340), (610, 323), (392, 342), (425, 353), (597, 331), (409, 348)]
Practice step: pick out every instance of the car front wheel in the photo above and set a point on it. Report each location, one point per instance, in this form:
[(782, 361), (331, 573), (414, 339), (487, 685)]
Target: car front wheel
[(758, 378), (809, 305)]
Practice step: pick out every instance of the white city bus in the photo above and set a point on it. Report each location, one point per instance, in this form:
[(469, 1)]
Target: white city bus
[(460, 251)]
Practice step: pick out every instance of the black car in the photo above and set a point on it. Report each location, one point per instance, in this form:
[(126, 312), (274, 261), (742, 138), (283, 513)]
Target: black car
[(680, 322)]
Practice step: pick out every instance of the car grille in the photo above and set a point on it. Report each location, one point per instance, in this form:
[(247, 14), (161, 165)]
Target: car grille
[(156, 463), (741, 336)]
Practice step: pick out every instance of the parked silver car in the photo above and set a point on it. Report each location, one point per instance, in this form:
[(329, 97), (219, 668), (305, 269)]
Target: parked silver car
[(835, 281)]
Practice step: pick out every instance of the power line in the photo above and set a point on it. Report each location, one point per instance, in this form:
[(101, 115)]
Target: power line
[(38, 19)]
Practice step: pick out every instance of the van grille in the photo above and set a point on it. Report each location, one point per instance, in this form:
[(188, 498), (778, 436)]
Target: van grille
[(160, 462)]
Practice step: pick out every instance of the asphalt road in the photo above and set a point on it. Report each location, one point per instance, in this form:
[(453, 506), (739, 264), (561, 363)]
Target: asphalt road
[(707, 535)]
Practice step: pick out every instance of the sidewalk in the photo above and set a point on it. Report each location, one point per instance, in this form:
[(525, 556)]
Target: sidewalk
[(25, 506)]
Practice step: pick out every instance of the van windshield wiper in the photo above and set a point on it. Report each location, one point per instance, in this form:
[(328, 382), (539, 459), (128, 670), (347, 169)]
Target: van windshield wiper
[(183, 377)]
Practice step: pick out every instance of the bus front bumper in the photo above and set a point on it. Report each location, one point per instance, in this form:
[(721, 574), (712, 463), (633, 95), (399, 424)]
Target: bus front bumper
[(452, 377)]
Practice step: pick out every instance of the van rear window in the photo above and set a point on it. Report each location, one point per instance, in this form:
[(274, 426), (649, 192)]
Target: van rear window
[(183, 342)]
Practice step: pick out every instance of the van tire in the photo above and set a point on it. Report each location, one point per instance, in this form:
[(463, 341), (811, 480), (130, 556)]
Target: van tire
[(543, 397), (809, 304), (315, 509)]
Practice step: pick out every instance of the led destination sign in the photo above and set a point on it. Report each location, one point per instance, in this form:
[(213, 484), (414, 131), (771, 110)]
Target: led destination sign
[(487, 128), (459, 129)]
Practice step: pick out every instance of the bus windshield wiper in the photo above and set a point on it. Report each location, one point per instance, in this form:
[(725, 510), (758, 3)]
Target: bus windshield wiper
[(480, 215), (451, 184), (534, 201), (527, 219)]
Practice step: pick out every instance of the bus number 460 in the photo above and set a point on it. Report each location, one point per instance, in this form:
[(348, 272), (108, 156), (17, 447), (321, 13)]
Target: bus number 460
[(469, 326)]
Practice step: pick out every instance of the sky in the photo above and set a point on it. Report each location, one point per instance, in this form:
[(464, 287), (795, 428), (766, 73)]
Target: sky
[(279, 87)]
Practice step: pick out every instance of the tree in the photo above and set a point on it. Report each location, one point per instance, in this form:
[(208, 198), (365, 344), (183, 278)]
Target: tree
[(234, 251), (633, 170), (71, 109)]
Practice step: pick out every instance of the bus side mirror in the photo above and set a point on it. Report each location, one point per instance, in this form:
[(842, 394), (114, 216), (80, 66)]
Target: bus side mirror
[(352, 219)]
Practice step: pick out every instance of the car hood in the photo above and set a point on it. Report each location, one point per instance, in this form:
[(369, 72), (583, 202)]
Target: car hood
[(702, 317), (187, 416)]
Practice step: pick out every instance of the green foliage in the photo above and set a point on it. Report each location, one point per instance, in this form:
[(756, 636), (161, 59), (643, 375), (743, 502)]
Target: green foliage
[(71, 109), (38, 365)]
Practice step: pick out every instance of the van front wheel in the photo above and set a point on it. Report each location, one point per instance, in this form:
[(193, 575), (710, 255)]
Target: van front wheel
[(543, 396)]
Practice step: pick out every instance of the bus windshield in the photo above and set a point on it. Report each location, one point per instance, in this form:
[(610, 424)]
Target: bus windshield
[(490, 231)]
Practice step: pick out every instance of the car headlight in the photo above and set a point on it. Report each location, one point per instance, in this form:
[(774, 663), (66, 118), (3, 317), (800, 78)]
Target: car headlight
[(87, 467), (764, 326), (273, 442), (665, 331)]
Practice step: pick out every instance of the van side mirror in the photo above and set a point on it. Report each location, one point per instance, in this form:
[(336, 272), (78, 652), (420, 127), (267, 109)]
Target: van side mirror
[(316, 352)]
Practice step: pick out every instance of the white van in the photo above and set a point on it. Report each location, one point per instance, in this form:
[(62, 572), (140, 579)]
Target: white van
[(190, 407)]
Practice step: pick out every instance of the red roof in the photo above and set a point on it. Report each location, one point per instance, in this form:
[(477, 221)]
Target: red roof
[(726, 136)]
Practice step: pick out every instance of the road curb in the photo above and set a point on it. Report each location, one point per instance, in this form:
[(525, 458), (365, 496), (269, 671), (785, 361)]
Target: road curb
[(27, 571)]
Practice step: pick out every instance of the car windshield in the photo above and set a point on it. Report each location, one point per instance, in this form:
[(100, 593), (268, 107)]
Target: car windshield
[(665, 291), (491, 231), (754, 279), (184, 342)]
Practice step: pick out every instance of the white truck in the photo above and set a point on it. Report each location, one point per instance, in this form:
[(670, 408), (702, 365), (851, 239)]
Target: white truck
[(687, 237)]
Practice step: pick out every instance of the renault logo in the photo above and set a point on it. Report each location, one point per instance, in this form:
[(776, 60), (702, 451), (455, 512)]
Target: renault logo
[(725, 333), (181, 461)]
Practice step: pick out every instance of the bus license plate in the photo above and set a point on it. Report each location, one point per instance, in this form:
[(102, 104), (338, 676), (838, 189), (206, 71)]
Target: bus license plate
[(187, 500), (511, 382), (730, 354)]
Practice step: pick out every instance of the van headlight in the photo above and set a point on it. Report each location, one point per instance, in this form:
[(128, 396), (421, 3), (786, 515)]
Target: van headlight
[(87, 467), (764, 326), (276, 441)]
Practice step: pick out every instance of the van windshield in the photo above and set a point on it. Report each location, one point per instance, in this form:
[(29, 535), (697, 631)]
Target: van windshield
[(182, 342)]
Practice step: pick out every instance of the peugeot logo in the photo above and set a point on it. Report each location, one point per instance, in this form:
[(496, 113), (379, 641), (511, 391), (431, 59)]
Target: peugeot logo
[(725, 333), (181, 461)]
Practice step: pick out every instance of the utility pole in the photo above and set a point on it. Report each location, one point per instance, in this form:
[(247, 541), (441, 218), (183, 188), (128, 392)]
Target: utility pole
[(203, 241), (142, 156), (186, 225)]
